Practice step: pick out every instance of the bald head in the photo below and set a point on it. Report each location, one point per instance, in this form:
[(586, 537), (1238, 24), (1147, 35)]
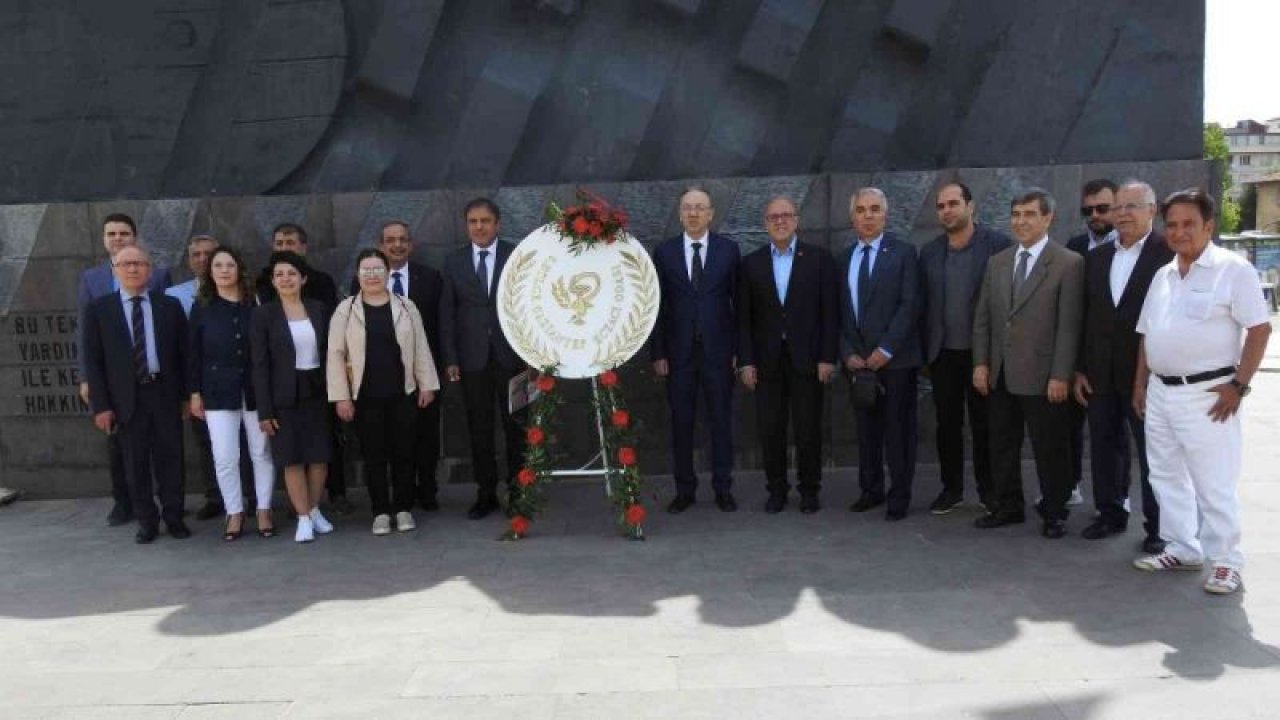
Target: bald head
[(1134, 211), (132, 268)]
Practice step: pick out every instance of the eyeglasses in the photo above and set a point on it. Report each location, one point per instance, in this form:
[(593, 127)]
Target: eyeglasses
[(372, 272), (133, 264), (1132, 207), (1100, 209), (694, 208), (779, 217)]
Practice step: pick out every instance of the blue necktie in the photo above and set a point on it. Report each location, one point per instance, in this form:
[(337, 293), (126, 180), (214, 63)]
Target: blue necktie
[(482, 272), (864, 282), (141, 369), (397, 287)]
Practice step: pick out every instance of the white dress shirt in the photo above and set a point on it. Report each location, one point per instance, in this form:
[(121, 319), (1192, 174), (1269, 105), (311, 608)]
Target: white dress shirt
[(1035, 251), (1122, 266)]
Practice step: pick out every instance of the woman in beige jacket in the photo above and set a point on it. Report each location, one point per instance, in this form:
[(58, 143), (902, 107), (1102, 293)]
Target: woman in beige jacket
[(379, 371)]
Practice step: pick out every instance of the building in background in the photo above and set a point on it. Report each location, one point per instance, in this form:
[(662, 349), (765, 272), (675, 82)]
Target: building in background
[(1255, 154)]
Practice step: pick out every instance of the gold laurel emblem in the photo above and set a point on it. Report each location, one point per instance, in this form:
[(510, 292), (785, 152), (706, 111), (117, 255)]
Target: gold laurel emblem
[(575, 293)]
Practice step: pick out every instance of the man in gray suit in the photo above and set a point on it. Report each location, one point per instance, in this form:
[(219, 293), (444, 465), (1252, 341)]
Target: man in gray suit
[(476, 353), (1026, 333)]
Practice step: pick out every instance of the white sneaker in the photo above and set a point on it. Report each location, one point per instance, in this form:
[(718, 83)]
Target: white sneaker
[(382, 525), (1076, 498), (1164, 561), (305, 532), (1224, 580), (320, 522), (404, 522)]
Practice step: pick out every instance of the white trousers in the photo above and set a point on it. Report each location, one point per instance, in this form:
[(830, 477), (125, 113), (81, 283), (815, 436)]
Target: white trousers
[(224, 439), (1195, 468)]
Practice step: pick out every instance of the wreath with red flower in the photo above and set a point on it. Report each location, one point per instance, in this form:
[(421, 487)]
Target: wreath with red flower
[(589, 223)]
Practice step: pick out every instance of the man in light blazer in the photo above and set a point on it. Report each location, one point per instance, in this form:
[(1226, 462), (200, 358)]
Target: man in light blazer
[(118, 232), (879, 287), (476, 354), (1026, 333)]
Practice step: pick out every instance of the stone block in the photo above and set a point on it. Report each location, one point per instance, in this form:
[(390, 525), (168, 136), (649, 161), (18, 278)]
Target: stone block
[(776, 35), (399, 45), (917, 22)]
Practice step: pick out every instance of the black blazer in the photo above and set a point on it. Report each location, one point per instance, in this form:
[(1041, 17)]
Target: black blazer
[(220, 362), (1079, 244), (933, 281), (469, 330), (425, 287), (809, 317), (892, 309), (109, 353), (708, 309), (274, 376), (1109, 342)]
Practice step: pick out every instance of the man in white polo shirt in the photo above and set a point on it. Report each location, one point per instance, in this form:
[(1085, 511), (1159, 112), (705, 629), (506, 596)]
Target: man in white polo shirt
[(1192, 374)]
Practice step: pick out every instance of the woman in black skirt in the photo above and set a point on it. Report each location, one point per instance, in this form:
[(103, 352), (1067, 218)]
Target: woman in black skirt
[(289, 335), (380, 370)]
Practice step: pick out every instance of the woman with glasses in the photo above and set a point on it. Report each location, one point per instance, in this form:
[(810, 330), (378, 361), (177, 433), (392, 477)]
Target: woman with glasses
[(288, 342), (380, 370), (222, 386)]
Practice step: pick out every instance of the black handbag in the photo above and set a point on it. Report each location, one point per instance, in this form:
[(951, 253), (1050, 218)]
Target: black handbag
[(864, 388)]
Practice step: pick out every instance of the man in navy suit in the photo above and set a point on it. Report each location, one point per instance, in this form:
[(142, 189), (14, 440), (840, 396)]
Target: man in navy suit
[(880, 344), (475, 351), (118, 232), (788, 315), (694, 344), (135, 349)]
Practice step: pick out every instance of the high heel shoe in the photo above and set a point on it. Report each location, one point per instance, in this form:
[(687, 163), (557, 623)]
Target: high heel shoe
[(229, 535), (267, 531)]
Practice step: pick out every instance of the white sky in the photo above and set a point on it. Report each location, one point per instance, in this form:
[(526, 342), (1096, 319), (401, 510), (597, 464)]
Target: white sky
[(1240, 42)]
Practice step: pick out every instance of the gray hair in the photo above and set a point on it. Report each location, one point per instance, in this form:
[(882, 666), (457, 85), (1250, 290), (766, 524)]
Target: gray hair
[(853, 199), (695, 187), (1148, 194), (1035, 194)]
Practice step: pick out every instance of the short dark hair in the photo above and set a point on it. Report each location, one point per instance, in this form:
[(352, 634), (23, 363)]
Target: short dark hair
[(372, 253), (290, 229), (1093, 187), (964, 190), (204, 238), (1034, 194), (482, 202), (207, 291), (1202, 201), (288, 257), (408, 231), (120, 218)]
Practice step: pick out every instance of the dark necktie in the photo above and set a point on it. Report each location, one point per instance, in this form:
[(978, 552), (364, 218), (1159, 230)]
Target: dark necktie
[(482, 272), (864, 282), (1020, 273), (695, 272), (397, 287), (140, 368)]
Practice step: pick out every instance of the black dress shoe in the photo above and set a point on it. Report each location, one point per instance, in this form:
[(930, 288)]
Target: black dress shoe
[(895, 515), (945, 503), (1100, 529), (118, 516), (726, 503), (998, 520), (866, 502), (146, 536), (482, 507), (178, 530), (1054, 529), (775, 503), (1153, 545), (680, 503), (809, 504), (210, 510)]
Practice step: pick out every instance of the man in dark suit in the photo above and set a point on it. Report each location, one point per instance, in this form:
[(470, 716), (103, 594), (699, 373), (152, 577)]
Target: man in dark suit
[(1117, 276), (880, 344), (1026, 333), (951, 270), (475, 351), (135, 357), (118, 232), (423, 285), (694, 344), (788, 320)]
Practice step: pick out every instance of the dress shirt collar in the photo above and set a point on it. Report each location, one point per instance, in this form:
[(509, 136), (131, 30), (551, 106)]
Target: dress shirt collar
[(705, 240), (874, 242), (125, 296), (1096, 242), (1035, 250), (789, 252), (1134, 247)]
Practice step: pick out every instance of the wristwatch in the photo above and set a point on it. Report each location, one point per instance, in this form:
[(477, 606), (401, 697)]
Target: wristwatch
[(1240, 387)]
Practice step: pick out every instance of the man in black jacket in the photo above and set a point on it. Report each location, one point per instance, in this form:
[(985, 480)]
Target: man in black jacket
[(788, 317), (136, 362)]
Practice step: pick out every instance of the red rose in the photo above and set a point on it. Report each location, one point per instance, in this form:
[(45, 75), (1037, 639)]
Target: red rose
[(526, 477), (580, 225), (596, 228), (627, 456), (535, 436), (634, 514), (620, 418), (545, 383), (608, 378), (519, 525)]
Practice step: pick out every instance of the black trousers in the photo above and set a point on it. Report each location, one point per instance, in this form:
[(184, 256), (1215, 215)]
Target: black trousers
[(1078, 414), (484, 392), (335, 482), (887, 434), (713, 382), (1109, 415), (120, 493), (427, 450), (953, 394), (385, 427), (152, 445), (786, 392), (1049, 425)]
